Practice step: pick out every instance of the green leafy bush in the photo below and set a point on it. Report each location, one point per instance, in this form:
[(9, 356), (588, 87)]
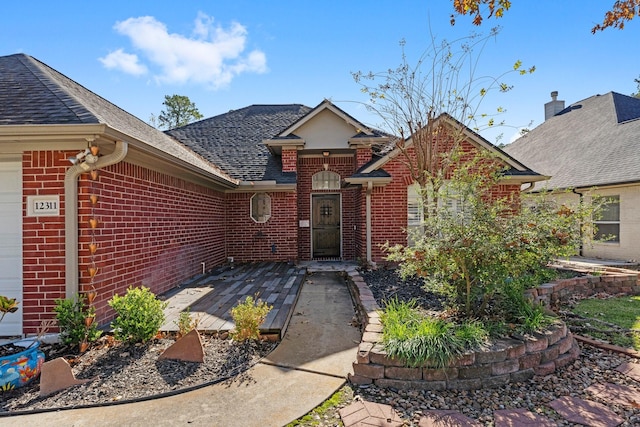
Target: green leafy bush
[(248, 316), (139, 315), (76, 320), (422, 340), (469, 253)]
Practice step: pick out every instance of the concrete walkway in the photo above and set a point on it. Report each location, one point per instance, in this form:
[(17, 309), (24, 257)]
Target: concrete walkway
[(309, 365)]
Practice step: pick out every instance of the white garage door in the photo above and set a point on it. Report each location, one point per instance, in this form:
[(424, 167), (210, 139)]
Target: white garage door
[(11, 241)]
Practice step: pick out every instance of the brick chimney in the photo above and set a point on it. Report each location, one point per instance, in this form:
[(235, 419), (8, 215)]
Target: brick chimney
[(554, 106)]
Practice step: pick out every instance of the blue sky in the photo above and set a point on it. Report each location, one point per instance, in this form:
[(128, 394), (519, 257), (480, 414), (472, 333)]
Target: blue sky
[(227, 55)]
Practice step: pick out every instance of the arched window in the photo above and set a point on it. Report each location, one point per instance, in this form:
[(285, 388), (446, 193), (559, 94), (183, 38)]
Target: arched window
[(325, 180)]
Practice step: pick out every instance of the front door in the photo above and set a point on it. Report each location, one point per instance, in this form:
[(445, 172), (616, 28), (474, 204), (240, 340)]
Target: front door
[(325, 217)]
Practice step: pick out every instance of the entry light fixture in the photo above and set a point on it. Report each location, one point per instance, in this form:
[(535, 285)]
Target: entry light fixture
[(78, 157), (85, 159), (325, 153)]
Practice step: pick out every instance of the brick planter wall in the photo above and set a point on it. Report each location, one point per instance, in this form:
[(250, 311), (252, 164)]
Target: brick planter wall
[(516, 359)]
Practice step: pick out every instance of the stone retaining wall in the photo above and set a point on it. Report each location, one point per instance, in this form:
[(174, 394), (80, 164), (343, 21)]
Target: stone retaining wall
[(508, 360), (609, 280)]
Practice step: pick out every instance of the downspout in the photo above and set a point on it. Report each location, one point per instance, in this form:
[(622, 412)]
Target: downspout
[(368, 220), (71, 272), (573, 190), (529, 187)]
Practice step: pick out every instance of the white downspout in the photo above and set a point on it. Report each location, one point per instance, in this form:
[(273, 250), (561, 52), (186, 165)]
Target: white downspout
[(368, 220), (71, 272)]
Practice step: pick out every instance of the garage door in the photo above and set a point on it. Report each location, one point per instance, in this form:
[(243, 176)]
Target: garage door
[(11, 241)]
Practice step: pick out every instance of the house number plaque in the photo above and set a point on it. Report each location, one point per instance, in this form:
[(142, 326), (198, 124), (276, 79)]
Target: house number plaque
[(43, 205)]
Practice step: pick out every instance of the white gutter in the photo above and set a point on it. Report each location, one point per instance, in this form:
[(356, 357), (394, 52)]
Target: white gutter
[(71, 272), (368, 220)]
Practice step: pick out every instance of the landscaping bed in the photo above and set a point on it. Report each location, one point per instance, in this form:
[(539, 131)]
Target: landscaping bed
[(123, 372), (594, 366), (510, 358)]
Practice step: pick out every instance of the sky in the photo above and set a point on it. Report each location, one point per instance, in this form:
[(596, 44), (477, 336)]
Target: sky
[(226, 55)]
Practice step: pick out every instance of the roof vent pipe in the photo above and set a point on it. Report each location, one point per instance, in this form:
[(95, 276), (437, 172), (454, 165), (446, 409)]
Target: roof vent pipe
[(554, 106)]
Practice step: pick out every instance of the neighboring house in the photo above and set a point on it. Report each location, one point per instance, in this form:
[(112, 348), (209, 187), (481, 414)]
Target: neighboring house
[(592, 147), (265, 182)]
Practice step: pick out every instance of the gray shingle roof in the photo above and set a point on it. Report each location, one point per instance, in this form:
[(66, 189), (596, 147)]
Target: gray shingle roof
[(594, 142), (233, 140), (32, 93)]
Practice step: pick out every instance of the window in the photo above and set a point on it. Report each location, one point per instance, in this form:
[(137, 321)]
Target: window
[(260, 207), (608, 226), (415, 213), (448, 200), (325, 180)]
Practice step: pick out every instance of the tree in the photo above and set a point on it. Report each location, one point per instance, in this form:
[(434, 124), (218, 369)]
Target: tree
[(483, 257), (637, 94), (431, 106), (179, 111), (621, 11)]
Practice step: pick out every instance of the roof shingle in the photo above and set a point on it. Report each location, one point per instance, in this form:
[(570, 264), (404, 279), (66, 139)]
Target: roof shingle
[(233, 140), (593, 142), (32, 93)]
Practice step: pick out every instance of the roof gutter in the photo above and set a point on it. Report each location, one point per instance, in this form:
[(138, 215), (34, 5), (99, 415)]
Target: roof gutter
[(71, 213)]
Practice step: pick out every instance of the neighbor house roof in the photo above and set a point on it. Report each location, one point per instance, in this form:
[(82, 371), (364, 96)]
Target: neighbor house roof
[(233, 140), (32, 94), (594, 142)]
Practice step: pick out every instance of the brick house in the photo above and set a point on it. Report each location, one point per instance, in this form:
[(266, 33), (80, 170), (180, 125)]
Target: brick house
[(145, 207)]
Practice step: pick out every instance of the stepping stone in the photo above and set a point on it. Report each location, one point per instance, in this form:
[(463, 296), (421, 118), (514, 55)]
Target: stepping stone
[(585, 412), (520, 418), (616, 394), (369, 414), (56, 375), (446, 418), (188, 348), (630, 369)]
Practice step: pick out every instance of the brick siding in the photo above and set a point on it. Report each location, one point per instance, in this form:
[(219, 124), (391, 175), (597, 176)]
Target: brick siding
[(154, 230), (247, 240)]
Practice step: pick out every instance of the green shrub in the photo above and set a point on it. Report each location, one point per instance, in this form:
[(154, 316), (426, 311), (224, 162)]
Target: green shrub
[(527, 316), (248, 316), (185, 323), (139, 315), (469, 252), (422, 340), (76, 321)]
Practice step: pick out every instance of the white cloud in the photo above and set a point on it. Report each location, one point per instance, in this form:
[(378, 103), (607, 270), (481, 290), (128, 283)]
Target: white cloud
[(126, 62), (212, 56)]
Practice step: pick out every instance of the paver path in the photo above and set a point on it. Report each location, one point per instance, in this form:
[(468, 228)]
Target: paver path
[(573, 409)]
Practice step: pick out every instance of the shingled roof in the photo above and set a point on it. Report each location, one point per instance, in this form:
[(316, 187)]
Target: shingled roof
[(234, 140), (32, 93), (594, 142)]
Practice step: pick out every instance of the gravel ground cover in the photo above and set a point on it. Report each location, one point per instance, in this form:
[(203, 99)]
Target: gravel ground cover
[(594, 366), (132, 371), (129, 371)]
